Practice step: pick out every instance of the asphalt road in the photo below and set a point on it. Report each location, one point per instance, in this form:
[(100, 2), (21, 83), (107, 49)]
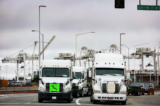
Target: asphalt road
[(31, 100)]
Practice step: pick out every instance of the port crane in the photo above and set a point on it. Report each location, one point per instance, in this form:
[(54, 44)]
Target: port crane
[(22, 57)]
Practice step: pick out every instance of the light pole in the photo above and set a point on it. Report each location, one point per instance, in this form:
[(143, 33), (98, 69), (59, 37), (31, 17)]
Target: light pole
[(42, 40), (135, 57), (128, 55), (120, 41), (76, 41), (0, 72), (39, 39), (6, 71)]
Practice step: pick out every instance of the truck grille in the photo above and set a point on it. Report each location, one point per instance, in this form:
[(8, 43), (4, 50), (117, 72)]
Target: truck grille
[(47, 86), (110, 88)]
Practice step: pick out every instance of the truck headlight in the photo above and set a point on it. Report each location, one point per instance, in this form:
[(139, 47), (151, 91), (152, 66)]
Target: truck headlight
[(67, 90), (123, 92), (97, 91), (41, 89)]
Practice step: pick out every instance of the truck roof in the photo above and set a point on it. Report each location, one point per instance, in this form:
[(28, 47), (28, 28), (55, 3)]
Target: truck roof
[(56, 63), (109, 60), (78, 69)]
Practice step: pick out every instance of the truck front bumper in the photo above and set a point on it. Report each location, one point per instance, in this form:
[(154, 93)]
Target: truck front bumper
[(56, 96), (110, 97)]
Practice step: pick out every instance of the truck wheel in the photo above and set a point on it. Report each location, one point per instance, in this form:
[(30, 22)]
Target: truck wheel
[(40, 100), (142, 92), (68, 101), (139, 93), (81, 95), (94, 101), (75, 93), (123, 103), (135, 92), (91, 99)]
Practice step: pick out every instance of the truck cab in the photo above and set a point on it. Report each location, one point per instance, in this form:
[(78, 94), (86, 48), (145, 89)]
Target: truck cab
[(79, 83), (55, 81), (108, 78)]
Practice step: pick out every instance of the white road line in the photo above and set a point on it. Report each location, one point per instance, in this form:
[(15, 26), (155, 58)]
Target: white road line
[(2, 95), (34, 99), (77, 101), (27, 103)]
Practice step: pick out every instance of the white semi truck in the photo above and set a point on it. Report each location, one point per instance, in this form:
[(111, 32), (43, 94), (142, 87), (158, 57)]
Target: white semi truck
[(55, 81), (79, 82), (108, 78)]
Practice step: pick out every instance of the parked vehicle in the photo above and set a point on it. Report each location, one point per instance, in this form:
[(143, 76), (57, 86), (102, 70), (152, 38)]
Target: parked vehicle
[(136, 89), (108, 78), (148, 86), (55, 81)]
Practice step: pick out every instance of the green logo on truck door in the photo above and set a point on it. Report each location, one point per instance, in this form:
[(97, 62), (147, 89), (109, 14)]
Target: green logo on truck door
[(54, 87)]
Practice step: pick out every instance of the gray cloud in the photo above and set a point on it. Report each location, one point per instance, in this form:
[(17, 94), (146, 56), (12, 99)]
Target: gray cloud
[(65, 19)]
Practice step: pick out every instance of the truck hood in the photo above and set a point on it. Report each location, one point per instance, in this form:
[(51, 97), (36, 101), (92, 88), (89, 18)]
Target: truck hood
[(75, 81), (55, 80), (109, 78)]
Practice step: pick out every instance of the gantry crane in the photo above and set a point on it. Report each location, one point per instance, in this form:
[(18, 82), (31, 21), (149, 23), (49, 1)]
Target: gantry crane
[(22, 57)]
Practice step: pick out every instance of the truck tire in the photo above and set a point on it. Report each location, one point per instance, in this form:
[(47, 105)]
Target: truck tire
[(139, 93), (95, 101), (135, 92), (143, 92), (70, 99), (75, 93), (123, 103), (91, 99), (81, 95), (40, 100)]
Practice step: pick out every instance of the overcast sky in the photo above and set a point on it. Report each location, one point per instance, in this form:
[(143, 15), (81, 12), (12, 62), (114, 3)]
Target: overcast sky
[(66, 18)]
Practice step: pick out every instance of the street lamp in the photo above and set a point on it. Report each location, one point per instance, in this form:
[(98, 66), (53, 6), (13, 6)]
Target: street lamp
[(128, 54), (39, 38), (0, 72), (120, 41), (76, 39), (42, 40), (134, 58)]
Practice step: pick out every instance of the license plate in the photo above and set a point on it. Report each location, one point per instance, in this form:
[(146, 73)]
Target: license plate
[(54, 97), (110, 98)]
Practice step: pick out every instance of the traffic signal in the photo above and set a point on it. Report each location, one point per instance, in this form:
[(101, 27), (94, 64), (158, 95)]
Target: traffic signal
[(119, 3)]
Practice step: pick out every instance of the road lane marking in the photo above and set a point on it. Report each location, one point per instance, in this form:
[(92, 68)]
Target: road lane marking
[(34, 99), (77, 101), (27, 103), (131, 99)]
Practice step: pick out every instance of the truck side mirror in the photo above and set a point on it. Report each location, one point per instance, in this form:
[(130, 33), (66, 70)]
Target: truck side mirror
[(40, 78), (122, 80), (71, 79)]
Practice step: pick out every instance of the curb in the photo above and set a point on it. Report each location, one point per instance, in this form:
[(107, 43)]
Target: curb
[(18, 92)]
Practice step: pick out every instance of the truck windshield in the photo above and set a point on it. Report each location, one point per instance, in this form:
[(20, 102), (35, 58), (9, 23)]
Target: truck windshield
[(55, 72), (78, 75), (135, 84), (110, 71)]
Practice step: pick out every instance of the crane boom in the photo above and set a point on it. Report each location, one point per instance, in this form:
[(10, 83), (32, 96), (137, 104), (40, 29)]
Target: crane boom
[(47, 45)]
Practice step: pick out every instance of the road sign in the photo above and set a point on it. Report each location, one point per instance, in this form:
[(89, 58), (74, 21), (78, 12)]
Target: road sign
[(139, 50), (61, 55), (148, 7)]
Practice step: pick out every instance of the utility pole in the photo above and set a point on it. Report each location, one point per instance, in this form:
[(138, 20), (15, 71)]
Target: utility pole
[(6, 75), (0, 72), (120, 41)]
